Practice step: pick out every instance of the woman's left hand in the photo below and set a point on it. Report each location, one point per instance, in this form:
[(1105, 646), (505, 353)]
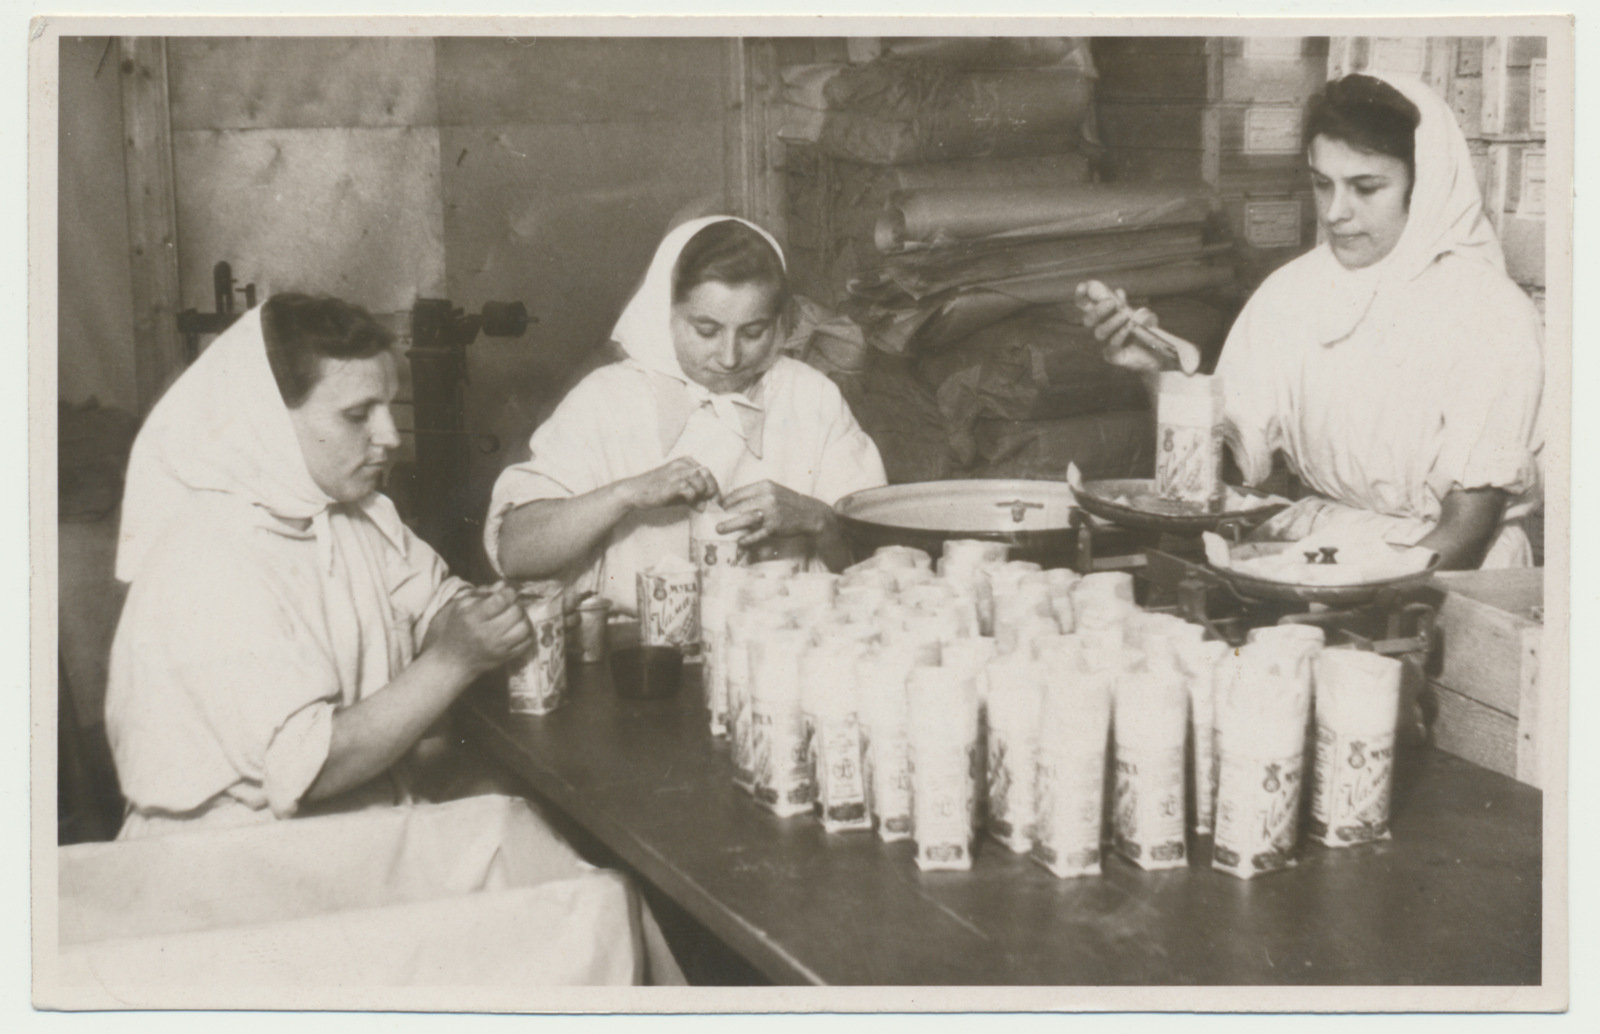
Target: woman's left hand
[(767, 510)]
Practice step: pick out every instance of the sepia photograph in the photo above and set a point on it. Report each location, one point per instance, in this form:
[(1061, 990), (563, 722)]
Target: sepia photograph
[(597, 515)]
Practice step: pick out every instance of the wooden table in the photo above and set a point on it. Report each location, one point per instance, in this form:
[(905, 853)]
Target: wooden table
[(1455, 898)]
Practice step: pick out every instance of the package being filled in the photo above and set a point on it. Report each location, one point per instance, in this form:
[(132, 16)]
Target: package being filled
[(943, 705), (669, 605), (1263, 702), (537, 681), (1357, 707), (1189, 435), (1151, 718), (710, 549)]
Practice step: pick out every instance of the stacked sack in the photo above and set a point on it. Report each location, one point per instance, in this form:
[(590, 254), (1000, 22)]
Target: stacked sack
[(1046, 709), (942, 196)]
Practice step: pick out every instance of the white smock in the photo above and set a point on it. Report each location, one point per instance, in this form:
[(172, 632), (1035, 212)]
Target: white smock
[(257, 605), (792, 427), (1389, 387)]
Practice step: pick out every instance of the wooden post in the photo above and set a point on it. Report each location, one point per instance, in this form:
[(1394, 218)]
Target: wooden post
[(755, 175), (152, 216)]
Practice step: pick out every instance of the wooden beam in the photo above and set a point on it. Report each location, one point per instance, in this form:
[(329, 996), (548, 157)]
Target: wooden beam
[(755, 173), (152, 216)]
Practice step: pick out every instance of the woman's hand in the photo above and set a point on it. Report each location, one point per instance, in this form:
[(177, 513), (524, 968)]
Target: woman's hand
[(480, 630), (682, 481), (1107, 313), (766, 510)]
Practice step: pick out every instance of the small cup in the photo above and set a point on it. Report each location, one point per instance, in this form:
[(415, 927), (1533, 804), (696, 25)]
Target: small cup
[(592, 615), (647, 672)]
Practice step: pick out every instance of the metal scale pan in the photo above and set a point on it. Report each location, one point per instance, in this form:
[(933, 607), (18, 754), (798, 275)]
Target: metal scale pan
[(1133, 503), (1354, 594)]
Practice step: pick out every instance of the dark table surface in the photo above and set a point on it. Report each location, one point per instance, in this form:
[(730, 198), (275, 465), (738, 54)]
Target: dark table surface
[(1454, 898)]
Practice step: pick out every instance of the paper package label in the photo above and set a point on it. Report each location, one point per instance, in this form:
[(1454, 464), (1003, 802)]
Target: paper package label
[(1148, 808), (537, 683), (1350, 789), (1258, 813)]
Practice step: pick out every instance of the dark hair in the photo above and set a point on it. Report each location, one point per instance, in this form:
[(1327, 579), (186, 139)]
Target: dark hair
[(728, 252), (1369, 115), (300, 329)]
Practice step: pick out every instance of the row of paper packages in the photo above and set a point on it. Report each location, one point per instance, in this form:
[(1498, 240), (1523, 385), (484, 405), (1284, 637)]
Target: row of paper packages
[(991, 694)]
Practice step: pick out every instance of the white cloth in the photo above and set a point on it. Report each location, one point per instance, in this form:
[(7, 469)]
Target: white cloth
[(792, 427), (257, 605), (1388, 387), (391, 909)]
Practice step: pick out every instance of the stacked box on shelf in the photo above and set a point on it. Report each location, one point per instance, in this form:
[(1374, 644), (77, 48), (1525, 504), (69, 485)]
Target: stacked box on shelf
[(1496, 86), (1225, 110)]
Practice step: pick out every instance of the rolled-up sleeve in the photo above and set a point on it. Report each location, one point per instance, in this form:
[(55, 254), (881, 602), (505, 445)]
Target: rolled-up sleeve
[(566, 459), (295, 757), (850, 461), (1490, 415), (1251, 393)]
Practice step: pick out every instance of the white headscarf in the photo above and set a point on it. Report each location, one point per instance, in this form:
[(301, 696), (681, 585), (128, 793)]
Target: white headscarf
[(644, 331), (223, 429), (1446, 216)]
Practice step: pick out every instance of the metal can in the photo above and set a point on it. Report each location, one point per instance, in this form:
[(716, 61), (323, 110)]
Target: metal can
[(592, 616)]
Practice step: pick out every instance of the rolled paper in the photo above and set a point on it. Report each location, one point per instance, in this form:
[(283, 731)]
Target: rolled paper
[(669, 605), (1189, 432), (882, 678), (1151, 724), (1015, 699), (780, 762), (1074, 727), (943, 747), (829, 692), (537, 680), (744, 626), (1262, 706), (1358, 708)]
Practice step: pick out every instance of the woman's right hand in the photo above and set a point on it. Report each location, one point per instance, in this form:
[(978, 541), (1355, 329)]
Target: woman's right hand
[(482, 629), (1108, 314), (682, 481)]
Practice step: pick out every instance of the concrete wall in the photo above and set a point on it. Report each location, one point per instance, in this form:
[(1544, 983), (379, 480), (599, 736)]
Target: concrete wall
[(383, 169), (95, 315)]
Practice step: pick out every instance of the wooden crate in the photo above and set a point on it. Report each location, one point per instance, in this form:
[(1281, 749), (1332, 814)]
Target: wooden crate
[(1487, 686)]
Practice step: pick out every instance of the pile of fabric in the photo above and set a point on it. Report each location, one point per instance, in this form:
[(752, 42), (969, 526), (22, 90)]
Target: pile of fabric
[(942, 197)]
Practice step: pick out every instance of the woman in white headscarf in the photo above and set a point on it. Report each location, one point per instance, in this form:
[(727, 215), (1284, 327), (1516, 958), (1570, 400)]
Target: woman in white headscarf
[(286, 639), (704, 409), (1395, 366)]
